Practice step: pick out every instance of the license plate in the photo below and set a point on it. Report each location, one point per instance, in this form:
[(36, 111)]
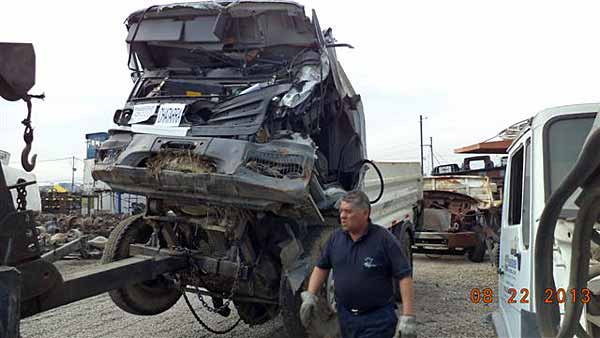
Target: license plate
[(142, 112), (169, 115)]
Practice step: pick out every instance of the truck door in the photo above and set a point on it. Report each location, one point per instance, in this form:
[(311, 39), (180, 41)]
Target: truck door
[(516, 246)]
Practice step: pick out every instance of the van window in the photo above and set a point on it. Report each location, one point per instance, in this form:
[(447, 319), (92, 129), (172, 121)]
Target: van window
[(516, 188), (565, 137)]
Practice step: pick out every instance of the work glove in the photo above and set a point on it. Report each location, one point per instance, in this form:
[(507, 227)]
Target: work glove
[(406, 327), (309, 304)]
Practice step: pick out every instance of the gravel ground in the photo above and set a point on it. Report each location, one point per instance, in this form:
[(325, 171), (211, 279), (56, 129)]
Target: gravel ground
[(442, 288)]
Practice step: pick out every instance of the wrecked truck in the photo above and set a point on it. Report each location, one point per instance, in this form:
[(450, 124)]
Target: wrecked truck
[(460, 215), (243, 131)]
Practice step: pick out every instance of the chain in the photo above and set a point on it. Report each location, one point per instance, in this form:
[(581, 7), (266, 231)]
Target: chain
[(209, 308), (21, 196), (229, 298)]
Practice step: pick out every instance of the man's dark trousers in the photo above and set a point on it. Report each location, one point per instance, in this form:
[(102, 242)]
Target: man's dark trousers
[(378, 323)]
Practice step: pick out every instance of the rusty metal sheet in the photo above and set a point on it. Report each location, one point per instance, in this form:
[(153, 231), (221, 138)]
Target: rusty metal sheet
[(476, 187), (462, 240), (491, 147)]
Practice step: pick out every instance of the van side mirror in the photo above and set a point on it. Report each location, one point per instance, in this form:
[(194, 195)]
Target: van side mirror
[(17, 70)]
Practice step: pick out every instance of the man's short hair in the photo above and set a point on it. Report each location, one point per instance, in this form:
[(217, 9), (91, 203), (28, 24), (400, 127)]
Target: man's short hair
[(357, 199)]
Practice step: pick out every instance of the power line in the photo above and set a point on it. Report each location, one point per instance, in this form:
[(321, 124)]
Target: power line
[(437, 159), (54, 160), (440, 156)]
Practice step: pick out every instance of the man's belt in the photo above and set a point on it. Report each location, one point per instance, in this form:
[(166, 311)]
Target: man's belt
[(360, 312)]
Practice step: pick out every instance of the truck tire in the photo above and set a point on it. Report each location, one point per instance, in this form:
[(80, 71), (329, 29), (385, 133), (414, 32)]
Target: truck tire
[(402, 233), (255, 313), (290, 310), (406, 244), (477, 253), (146, 298), (407, 248), (289, 303)]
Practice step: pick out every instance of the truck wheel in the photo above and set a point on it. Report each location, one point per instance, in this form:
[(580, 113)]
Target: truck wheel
[(254, 313), (403, 235), (290, 310), (406, 243), (477, 253), (146, 298), (407, 248), (289, 303)]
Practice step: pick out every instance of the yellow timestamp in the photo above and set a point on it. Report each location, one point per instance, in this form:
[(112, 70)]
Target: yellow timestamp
[(551, 296)]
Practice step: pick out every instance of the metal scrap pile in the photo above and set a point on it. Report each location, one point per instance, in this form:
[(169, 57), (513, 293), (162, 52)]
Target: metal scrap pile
[(57, 230)]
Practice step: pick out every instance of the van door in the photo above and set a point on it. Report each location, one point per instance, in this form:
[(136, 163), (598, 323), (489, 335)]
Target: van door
[(516, 246)]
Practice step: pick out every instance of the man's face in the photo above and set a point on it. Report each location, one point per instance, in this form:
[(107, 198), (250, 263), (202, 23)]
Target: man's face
[(352, 218)]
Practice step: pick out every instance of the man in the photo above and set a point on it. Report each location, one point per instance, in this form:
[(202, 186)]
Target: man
[(365, 259)]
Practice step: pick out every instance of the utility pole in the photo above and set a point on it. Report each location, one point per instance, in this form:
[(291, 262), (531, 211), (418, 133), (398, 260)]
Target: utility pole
[(72, 183), (73, 176), (421, 127), (431, 148)]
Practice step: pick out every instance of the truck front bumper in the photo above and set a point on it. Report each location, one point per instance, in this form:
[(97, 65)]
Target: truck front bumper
[(203, 169), (444, 241)]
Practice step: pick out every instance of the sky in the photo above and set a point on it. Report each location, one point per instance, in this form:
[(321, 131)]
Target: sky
[(472, 68)]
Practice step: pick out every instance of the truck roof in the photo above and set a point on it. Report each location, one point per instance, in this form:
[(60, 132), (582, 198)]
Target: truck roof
[(210, 6)]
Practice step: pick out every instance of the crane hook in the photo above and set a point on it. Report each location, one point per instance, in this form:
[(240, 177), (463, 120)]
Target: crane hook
[(28, 138)]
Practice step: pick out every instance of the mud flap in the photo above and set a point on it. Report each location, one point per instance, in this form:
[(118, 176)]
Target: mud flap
[(298, 258), (295, 267), (10, 301), (297, 273)]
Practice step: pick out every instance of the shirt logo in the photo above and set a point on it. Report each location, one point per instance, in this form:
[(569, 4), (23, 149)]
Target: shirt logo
[(368, 263)]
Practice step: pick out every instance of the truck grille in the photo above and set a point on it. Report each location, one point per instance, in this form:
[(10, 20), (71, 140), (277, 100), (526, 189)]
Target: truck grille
[(275, 165)]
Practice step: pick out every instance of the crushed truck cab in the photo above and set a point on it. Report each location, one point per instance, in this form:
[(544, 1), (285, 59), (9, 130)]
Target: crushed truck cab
[(242, 131)]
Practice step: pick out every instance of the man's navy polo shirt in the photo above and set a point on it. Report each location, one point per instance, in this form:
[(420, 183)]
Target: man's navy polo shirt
[(363, 270)]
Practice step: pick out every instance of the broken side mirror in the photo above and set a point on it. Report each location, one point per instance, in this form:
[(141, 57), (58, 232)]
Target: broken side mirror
[(17, 70)]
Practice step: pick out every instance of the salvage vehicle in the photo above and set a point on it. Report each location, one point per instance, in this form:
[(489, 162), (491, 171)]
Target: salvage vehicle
[(240, 204), (242, 131), (549, 250), (469, 167), (459, 216)]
